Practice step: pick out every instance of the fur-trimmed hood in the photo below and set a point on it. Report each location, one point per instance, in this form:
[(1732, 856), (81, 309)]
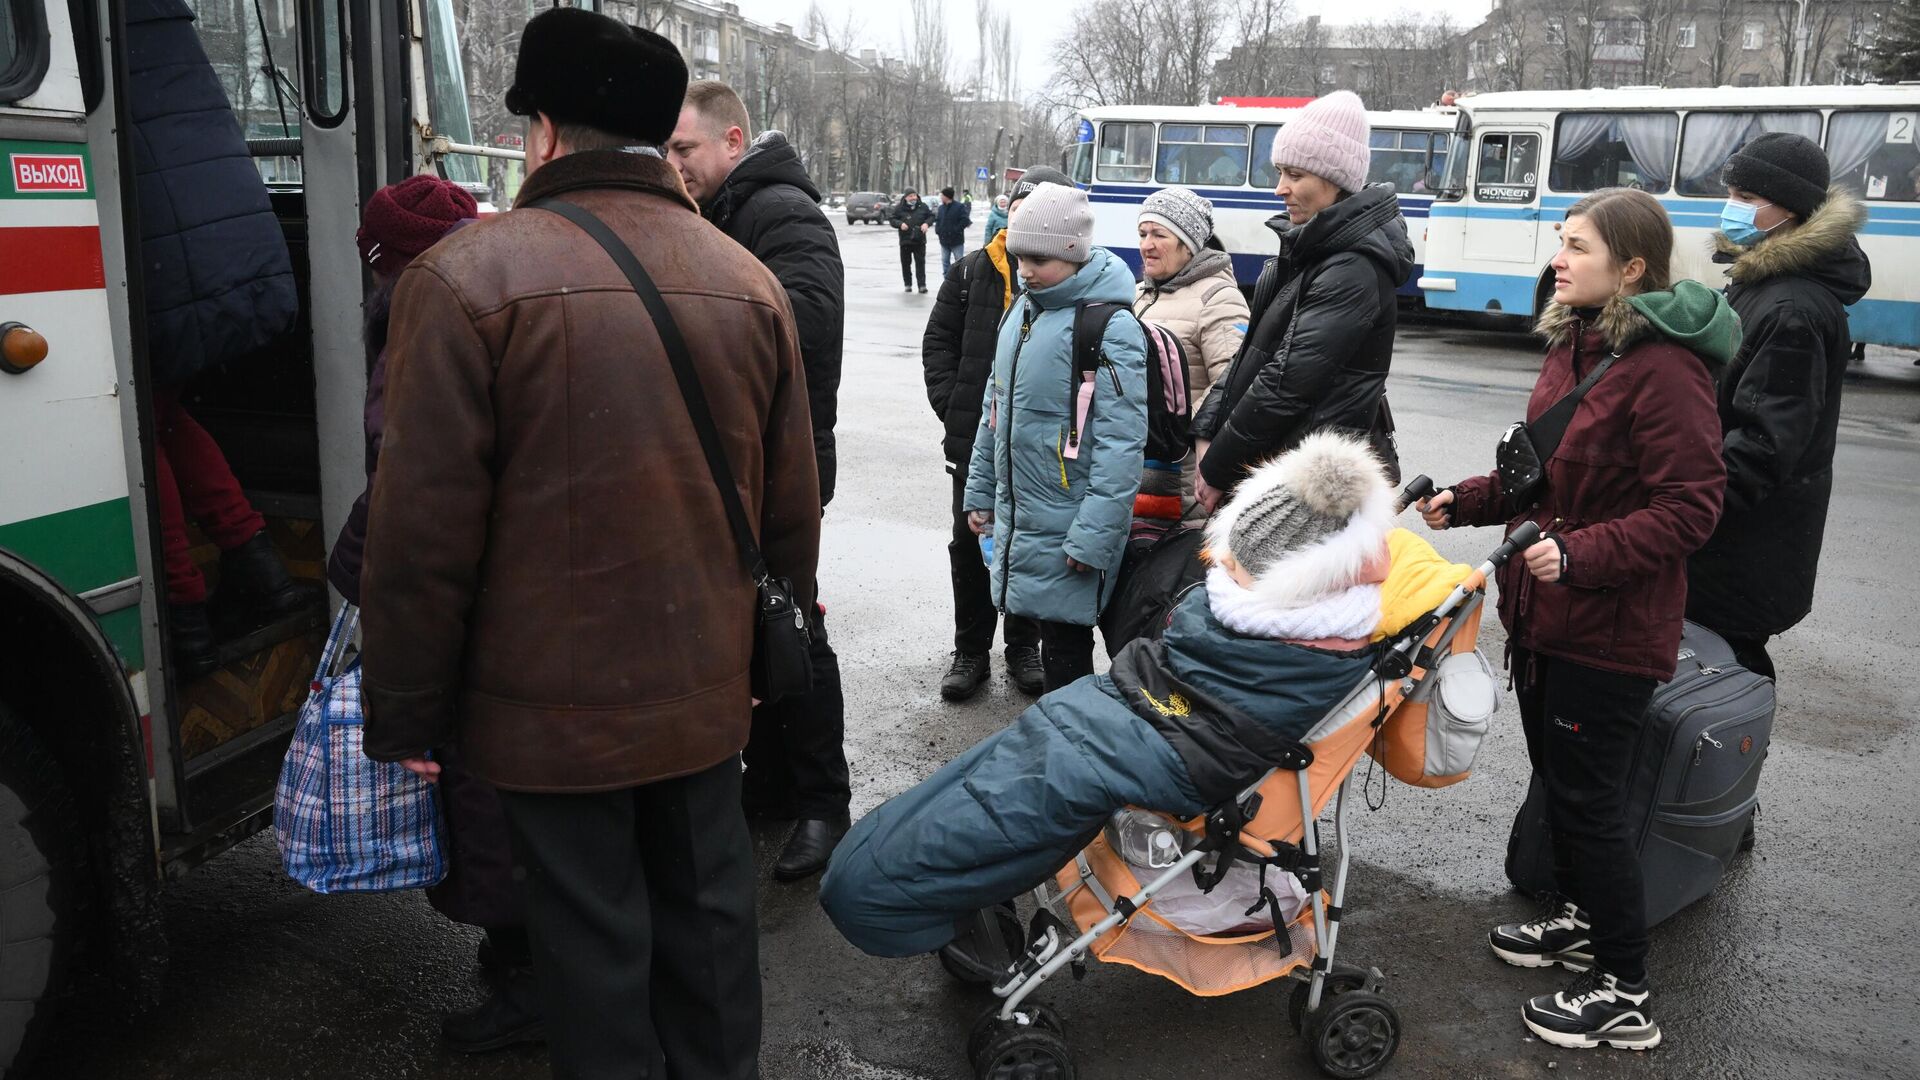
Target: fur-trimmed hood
[(1690, 315), (1822, 247)]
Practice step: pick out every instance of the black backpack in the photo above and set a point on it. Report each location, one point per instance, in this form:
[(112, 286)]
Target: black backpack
[(1169, 409)]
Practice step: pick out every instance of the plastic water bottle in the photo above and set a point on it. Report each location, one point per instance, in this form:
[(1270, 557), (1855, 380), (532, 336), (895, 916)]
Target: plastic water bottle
[(986, 546)]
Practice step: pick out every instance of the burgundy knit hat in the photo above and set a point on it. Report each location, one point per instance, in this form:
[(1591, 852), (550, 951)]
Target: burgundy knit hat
[(404, 219)]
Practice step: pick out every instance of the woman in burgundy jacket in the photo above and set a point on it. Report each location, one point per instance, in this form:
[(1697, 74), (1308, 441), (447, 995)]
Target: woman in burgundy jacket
[(1594, 609)]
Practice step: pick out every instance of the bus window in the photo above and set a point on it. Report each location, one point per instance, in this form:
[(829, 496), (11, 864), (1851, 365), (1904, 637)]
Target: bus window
[(1080, 166), (1711, 138), (1126, 152), (1264, 174), (1875, 155), (1599, 150), (1401, 158), (23, 48), (326, 66), (1210, 154), (1509, 169)]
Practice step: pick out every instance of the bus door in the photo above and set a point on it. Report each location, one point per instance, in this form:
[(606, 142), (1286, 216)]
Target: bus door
[(1504, 223)]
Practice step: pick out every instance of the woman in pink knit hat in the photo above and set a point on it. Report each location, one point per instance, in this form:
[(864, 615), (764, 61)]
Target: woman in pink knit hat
[(1321, 338)]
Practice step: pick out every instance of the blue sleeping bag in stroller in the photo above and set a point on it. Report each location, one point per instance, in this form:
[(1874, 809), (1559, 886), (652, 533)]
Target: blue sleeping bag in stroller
[(1175, 726)]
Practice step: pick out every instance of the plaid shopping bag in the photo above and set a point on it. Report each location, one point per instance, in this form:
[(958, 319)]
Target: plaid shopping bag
[(347, 823)]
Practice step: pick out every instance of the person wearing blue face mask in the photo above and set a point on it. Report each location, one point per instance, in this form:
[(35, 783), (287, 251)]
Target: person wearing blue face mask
[(1794, 267)]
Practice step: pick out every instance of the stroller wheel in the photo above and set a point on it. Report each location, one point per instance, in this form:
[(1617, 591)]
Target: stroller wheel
[(964, 961), (989, 1025), (1353, 1035), (1343, 979), (1012, 1051)]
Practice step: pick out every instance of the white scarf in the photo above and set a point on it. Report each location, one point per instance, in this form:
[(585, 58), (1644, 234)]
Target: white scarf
[(1352, 614)]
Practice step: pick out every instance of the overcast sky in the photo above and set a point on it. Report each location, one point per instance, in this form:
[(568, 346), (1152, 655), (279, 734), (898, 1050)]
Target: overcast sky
[(1041, 23)]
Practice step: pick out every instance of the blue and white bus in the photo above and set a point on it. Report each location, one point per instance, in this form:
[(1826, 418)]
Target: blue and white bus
[(1519, 160), (1125, 153)]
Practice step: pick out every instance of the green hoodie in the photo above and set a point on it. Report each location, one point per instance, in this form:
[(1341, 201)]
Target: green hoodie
[(1696, 317)]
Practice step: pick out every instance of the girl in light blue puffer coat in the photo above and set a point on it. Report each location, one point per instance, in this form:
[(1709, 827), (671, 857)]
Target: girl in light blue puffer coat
[(1055, 468)]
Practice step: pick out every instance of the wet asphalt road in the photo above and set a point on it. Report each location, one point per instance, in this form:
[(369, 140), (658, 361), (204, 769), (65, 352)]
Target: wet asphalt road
[(1802, 965)]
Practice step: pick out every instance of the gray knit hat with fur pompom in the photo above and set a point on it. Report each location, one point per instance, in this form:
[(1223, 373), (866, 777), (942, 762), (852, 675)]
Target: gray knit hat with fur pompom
[(1306, 524)]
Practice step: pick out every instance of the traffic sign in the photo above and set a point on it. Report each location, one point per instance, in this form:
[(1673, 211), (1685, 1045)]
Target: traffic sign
[(981, 173)]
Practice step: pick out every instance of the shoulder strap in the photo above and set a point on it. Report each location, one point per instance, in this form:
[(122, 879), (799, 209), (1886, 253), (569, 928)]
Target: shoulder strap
[(1547, 431), (1090, 332), (690, 389)]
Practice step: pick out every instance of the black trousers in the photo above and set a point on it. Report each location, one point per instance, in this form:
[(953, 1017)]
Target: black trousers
[(1752, 654), (1583, 726), (974, 616), (1066, 653), (640, 906), (913, 260), (796, 760)]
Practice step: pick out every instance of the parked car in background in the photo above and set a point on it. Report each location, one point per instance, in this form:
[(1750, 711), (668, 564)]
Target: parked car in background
[(868, 206)]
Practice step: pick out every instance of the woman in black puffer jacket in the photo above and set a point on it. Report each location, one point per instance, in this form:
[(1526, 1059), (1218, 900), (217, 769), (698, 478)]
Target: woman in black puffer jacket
[(1321, 341)]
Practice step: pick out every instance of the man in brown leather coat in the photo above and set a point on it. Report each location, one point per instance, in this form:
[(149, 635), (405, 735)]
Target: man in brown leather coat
[(550, 580)]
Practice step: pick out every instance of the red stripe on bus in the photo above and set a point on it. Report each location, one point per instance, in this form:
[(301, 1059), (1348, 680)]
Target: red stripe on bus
[(51, 259)]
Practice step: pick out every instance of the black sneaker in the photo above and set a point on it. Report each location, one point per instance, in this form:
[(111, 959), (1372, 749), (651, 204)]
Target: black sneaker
[(965, 678), (1560, 934), (1023, 667), (1597, 1010)]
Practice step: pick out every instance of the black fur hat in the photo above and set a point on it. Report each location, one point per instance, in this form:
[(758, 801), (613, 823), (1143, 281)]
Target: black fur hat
[(581, 67)]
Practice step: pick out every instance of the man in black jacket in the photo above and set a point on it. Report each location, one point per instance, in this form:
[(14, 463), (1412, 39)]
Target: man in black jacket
[(1796, 265), (957, 353), (912, 218), (759, 195)]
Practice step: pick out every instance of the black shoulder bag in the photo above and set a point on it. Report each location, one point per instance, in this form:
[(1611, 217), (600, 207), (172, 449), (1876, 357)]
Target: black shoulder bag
[(1526, 448), (781, 664)]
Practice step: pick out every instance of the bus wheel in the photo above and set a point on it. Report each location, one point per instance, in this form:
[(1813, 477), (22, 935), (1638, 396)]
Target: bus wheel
[(43, 889)]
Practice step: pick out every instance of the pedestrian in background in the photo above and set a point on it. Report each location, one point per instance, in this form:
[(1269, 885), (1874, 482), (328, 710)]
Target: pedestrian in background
[(997, 218), (544, 591), (1324, 311), (1593, 610), (912, 220), (1187, 286), (950, 224), (957, 354), (402, 221), (1795, 266), (759, 194), (1068, 456)]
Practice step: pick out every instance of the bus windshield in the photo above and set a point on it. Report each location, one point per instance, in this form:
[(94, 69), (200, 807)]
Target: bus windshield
[(1453, 182)]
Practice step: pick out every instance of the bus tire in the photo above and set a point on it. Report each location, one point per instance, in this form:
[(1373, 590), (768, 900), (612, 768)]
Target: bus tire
[(43, 890)]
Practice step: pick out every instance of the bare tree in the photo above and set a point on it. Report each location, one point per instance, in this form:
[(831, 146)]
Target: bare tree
[(1138, 52), (1660, 22), (1720, 51), (1255, 66), (1574, 35)]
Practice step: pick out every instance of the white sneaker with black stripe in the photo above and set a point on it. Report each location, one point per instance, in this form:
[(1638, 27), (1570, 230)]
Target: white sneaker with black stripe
[(1560, 934), (1597, 1010)]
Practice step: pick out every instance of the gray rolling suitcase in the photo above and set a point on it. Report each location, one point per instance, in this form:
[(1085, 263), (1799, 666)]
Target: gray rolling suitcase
[(1695, 784)]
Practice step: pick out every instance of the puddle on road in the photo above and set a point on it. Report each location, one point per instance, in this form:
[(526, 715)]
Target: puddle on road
[(831, 1059)]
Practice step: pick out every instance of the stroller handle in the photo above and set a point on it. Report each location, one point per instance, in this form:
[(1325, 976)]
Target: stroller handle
[(1518, 540), (1418, 488)]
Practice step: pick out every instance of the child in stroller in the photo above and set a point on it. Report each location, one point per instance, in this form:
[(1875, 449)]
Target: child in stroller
[(1288, 625)]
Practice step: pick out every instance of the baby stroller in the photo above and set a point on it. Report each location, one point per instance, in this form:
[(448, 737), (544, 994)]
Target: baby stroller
[(1097, 906)]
